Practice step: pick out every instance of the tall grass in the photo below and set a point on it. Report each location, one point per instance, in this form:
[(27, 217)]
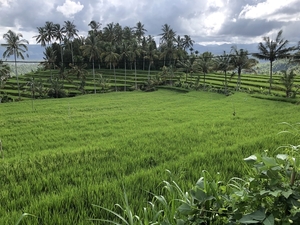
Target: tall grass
[(69, 154)]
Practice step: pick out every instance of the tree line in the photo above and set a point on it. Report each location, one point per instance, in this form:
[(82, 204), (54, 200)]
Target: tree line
[(129, 47)]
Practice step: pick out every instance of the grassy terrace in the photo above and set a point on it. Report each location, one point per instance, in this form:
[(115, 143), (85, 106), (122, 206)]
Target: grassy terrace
[(70, 153), (253, 82)]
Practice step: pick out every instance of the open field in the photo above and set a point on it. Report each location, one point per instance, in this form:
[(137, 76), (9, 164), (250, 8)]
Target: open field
[(70, 153)]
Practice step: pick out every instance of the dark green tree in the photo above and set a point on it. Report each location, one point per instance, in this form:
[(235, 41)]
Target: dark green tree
[(272, 50), (71, 33), (15, 46), (92, 49), (223, 63)]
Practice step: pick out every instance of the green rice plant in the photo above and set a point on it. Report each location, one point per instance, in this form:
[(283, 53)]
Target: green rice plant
[(23, 216), (150, 216)]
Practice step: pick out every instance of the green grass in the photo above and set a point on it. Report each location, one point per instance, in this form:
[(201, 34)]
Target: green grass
[(71, 153)]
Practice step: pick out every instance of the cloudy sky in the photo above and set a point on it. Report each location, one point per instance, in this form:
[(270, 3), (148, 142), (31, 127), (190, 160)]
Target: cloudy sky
[(206, 21)]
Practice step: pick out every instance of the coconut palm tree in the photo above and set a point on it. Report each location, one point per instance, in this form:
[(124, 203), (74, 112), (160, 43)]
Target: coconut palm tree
[(223, 63), (187, 42), (92, 49), (59, 35), (167, 42), (151, 53), (287, 80), (71, 33), (15, 46), (272, 50), (49, 59), (124, 53), (139, 31), (4, 74), (187, 66), (111, 57), (49, 28), (41, 38), (94, 26), (240, 60), (134, 52), (205, 63)]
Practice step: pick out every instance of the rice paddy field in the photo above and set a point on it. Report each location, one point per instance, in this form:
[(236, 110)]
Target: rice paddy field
[(60, 156)]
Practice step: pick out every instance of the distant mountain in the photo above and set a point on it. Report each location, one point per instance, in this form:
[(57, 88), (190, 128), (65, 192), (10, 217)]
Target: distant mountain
[(219, 49), (35, 53)]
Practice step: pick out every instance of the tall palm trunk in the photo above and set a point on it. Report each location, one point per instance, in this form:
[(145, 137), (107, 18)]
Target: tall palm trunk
[(17, 74), (125, 74), (62, 57), (271, 76), (149, 70), (238, 83), (94, 77), (115, 77), (135, 74), (72, 53), (225, 85)]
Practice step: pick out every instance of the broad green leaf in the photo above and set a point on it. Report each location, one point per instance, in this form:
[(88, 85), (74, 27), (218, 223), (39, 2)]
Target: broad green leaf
[(200, 183), (180, 222), (185, 209), (282, 156), (199, 195), (275, 193), (247, 219), (287, 194), (262, 192), (269, 220), (258, 215), (251, 158), (269, 161), (255, 217)]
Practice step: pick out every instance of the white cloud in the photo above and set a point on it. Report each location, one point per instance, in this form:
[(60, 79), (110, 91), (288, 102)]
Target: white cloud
[(70, 8), (5, 3), (267, 10)]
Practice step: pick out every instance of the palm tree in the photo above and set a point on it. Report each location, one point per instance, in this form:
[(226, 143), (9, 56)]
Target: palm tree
[(59, 35), (125, 52), (15, 46), (223, 62), (187, 42), (49, 29), (167, 42), (287, 80), (187, 66), (134, 52), (205, 63), (4, 74), (71, 33), (151, 53), (139, 31), (112, 58), (91, 48), (273, 49), (94, 26), (240, 60), (41, 37), (49, 58)]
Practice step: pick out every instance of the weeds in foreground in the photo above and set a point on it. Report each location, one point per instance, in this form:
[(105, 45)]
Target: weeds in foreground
[(268, 195)]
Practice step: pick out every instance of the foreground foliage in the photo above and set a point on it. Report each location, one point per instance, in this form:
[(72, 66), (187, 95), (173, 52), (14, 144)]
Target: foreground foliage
[(268, 194)]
